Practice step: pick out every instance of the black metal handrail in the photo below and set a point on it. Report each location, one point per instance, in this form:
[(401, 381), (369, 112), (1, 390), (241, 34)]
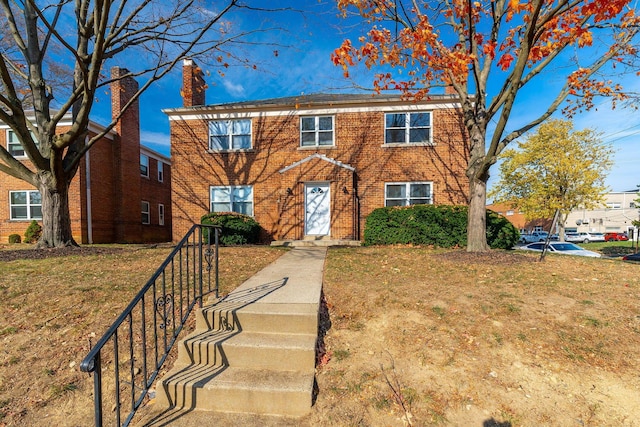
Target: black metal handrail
[(128, 358)]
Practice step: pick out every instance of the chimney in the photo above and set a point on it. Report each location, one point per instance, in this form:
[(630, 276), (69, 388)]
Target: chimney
[(193, 84), (126, 158)]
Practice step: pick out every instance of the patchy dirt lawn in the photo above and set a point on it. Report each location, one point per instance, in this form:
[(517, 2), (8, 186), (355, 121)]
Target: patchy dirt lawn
[(413, 336), (56, 302), (427, 337)]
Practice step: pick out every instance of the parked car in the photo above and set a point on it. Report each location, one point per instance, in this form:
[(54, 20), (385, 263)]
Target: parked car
[(536, 236), (584, 237), (610, 237), (632, 257), (561, 248)]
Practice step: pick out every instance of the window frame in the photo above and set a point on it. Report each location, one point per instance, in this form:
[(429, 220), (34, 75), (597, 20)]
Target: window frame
[(147, 212), (407, 197), (317, 131), (144, 173), (408, 128), (160, 171), (17, 143), (230, 134), (28, 205), (231, 202), (160, 214)]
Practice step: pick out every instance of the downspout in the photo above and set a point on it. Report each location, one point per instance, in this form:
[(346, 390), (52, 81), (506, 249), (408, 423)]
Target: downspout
[(88, 185)]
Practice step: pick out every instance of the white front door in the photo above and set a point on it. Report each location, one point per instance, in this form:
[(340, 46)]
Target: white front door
[(318, 209)]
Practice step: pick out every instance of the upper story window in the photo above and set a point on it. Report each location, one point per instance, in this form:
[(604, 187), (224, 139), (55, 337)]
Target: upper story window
[(146, 215), (144, 165), (407, 128), (14, 147), (408, 193), (230, 134), (316, 131), (614, 205), (232, 199), (25, 204), (160, 171)]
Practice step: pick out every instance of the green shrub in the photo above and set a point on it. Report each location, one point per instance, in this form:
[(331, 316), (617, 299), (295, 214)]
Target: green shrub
[(14, 238), (237, 229), (442, 226), (33, 233)]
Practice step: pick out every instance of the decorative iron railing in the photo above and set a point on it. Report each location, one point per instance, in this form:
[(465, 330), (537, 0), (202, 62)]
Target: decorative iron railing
[(126, 361)]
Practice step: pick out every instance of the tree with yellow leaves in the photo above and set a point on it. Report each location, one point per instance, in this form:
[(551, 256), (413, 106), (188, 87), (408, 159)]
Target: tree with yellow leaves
[(554, 170)]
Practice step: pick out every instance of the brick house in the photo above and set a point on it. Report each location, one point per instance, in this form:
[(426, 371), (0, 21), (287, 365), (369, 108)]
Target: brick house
[(121, 192), (312, 166)]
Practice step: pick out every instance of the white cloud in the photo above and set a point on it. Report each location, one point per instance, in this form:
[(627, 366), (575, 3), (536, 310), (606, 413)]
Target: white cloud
[(235, 90)]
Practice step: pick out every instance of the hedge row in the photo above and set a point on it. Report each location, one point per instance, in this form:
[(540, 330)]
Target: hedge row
[(440, 226), (237, 229)]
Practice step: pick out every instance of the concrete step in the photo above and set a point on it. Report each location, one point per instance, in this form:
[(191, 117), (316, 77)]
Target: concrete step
[(228, 389), (260, 317), (245, 349)]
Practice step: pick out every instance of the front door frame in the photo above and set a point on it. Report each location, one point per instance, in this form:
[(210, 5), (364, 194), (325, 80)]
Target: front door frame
[(307, 214)]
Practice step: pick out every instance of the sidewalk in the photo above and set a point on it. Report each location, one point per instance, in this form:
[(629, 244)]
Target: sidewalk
[(299, 275), (303, 267)]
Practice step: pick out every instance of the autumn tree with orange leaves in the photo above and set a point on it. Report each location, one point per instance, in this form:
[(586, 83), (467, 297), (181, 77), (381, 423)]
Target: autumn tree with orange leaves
[(490, 51)]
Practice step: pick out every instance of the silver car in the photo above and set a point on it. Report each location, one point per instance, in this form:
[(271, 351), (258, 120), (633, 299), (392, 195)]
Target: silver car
[(561, 248)]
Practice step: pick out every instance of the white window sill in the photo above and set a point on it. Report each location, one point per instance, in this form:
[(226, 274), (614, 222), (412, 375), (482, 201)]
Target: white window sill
[(317, 147), (234, 150), (409, 144)]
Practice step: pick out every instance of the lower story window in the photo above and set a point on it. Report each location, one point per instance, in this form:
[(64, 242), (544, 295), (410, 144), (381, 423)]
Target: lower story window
[(25, 204), (408, 193), (232, 199), (146, 217)]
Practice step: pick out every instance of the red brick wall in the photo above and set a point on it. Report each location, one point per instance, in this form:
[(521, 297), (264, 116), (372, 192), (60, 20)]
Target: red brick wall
[(155, 192), (359, 141), (8, 183)]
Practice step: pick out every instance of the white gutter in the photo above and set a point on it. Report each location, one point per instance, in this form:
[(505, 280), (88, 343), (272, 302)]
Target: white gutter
[(88, 181)]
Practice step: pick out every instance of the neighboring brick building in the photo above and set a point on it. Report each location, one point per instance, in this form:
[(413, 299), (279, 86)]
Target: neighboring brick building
[(313, 165), (519, 220), (121, 192)]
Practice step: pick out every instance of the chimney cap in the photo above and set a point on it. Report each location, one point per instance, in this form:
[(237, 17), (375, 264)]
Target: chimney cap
[(187, 62)]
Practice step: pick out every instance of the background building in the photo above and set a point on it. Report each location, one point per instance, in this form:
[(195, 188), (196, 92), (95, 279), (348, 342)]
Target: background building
[(121, 192)]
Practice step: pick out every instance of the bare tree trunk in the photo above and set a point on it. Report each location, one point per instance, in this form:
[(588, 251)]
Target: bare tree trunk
[(56, 218), (477, 217), (477, 172)]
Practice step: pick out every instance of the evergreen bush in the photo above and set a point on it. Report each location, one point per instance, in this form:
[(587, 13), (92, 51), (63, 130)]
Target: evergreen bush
[(33, 233), (441, 226), (237, 229), (14, 238)]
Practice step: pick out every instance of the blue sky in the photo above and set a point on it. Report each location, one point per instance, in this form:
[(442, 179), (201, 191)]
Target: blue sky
[(303, 65)]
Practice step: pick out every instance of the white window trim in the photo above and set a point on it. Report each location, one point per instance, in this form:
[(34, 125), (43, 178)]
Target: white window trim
[(160, 171), (407, 130), (24, 156), (147, 165), (147, 211), (408, 192), (231, 188), (317, 131), (230, 134), (28, 205), (160, 214)]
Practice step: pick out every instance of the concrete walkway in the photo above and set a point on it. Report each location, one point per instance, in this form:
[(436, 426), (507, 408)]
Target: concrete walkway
[(291, 283)]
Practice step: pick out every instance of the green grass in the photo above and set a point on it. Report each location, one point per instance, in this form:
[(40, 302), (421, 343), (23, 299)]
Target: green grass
[(610, 248)]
